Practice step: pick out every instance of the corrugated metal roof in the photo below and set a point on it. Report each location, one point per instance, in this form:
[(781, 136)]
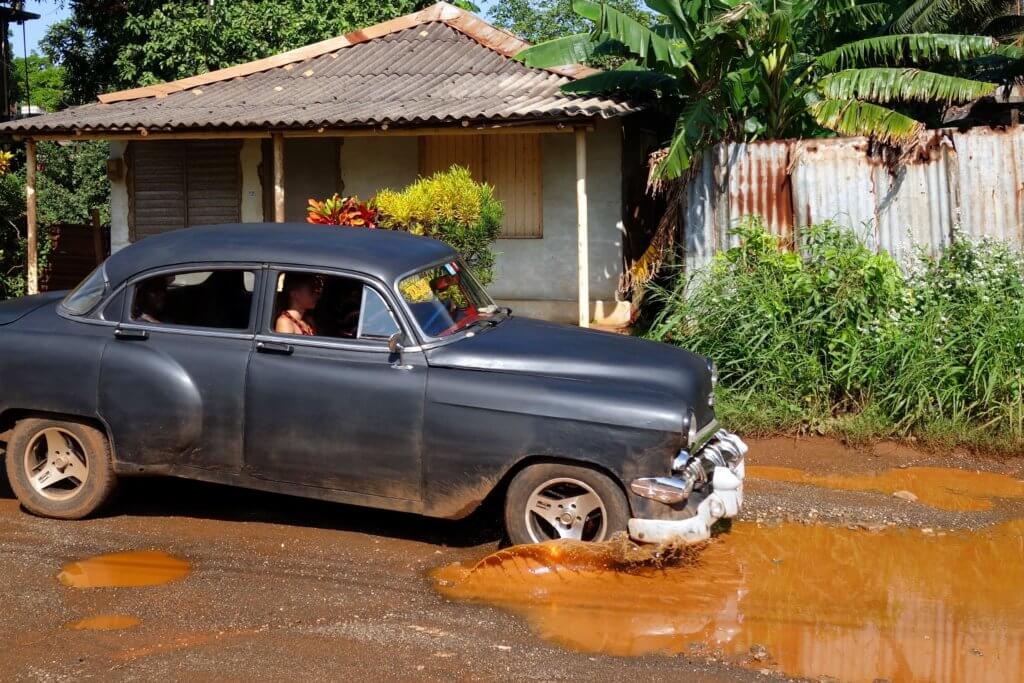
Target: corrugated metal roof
[(426, 74)]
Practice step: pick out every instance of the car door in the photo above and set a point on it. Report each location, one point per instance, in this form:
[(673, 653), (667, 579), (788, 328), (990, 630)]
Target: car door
[(332, 411), (172, 385)]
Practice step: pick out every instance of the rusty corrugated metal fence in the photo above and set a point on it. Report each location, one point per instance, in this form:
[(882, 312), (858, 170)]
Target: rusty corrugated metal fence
[(973, 181)]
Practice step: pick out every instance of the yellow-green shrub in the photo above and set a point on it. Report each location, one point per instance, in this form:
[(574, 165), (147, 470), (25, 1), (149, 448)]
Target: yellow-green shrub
[(452, 207)]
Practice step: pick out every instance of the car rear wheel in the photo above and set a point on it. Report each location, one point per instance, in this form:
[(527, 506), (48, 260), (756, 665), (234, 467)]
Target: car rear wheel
[(59, 468), (553, 501)]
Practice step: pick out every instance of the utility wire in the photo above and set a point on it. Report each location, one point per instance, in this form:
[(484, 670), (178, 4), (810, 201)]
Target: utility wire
[(28, 82)]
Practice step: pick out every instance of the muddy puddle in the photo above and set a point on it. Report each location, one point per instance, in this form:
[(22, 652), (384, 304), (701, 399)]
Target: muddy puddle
[(808, 600), (104, 622), (128, 569), (945, 488)]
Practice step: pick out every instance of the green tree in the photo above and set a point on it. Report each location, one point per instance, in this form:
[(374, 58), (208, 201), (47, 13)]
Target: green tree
[(539, 20), (108, 45), (181, 39), (46, 82), (726, 69), (72, 182)]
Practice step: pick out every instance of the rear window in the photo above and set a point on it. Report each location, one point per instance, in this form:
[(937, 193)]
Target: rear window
[(87, 294)]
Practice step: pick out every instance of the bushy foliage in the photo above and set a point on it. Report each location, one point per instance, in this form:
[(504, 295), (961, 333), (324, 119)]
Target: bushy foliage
[(955, 350), (834, 332), (338, 210), (452, 207), (72, 182)]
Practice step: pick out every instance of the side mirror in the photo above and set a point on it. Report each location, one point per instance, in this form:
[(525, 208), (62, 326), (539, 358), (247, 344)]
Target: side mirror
[(395, 343)]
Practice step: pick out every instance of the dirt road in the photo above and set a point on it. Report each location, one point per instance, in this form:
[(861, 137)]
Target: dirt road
[(276, 588)]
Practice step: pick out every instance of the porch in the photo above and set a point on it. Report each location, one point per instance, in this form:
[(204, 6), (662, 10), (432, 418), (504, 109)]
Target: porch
[(254, 142)]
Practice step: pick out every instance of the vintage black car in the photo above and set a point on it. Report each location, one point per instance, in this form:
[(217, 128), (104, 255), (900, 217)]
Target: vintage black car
[(360, 366)]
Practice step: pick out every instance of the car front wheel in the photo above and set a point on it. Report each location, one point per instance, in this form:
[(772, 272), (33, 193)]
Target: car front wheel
[(552, 501), (59, 468)]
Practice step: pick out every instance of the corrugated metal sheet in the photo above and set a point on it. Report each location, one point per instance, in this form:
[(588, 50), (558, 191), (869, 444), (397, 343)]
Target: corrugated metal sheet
[(427, 74), (990, 171), (973, 181)]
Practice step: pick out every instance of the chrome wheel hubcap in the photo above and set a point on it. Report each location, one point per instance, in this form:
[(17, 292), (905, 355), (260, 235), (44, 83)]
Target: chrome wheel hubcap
[(565, 508), (56, 464)]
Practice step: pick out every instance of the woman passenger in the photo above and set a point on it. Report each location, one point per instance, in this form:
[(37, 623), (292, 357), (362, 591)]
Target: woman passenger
[(300, 296)]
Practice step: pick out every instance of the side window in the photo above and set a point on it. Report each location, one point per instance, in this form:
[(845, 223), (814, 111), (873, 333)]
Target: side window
[(219, 299), (376, 321), (316, 305)]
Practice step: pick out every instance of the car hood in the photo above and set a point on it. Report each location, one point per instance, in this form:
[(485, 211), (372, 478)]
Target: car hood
[(543, 348), (15, 309)]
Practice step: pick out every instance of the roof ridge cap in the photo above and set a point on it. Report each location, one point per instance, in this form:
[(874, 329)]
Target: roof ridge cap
[(464, 22)]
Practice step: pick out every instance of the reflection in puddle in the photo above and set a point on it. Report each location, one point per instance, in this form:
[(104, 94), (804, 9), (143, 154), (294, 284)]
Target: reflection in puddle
[(137, 568), (104, 622), (822, 600), (940, 487)]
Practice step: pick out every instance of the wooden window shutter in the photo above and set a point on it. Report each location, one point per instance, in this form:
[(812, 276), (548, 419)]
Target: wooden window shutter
[(158, 188), (214, 182), (511, 163), (180, 184)]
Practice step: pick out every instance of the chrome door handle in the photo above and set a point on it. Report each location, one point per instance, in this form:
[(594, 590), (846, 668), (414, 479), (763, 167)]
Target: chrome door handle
[(130, 334), (275, 347)]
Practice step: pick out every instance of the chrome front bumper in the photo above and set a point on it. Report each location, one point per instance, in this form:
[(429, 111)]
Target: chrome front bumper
[(719, 466)]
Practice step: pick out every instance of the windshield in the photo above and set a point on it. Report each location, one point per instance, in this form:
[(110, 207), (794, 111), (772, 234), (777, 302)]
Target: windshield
[(87, 294), (446, 298)]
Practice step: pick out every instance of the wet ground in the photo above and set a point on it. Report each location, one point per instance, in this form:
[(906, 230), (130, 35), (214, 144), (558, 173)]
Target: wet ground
[(828, 574)]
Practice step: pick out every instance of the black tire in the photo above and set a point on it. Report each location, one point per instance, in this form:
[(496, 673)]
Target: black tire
[(71, 500), (571, 481)]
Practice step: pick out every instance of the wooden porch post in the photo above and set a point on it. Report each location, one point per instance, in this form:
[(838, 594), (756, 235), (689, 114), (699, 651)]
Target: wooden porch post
[(278, 178), (582, 240), (32, 267)]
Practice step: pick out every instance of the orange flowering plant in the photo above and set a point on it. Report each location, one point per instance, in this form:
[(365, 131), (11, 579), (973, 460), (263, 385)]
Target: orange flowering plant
[(5, 162), (337, 210)]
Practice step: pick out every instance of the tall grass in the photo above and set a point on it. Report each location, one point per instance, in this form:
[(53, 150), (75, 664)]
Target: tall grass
[(834, 337)]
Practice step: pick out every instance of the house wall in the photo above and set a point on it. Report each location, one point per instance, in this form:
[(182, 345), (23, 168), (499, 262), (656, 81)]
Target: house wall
[(251, 158), (119, 198), (536, 276)]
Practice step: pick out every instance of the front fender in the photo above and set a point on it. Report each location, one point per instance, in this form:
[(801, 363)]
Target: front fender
[(479, 425)]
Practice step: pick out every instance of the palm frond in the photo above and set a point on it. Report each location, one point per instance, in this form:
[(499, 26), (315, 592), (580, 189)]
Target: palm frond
[(861, 16), (1006, 29), (640, 82), (698, 125), (645, 44), (854, 117), (939, 16), (576, 49), (901, 85), (913, 48), (673, 10), (904, 22)]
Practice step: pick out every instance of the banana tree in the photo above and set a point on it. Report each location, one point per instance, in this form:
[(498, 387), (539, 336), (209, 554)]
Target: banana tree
[(726, 69)]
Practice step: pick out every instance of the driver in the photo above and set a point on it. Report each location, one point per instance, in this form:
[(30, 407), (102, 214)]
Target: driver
[(300, 295), (150, 297)]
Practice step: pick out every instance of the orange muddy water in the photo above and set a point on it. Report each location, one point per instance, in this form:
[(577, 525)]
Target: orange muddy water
[(130, 569), (940, 487), (104, 622), (899, 605)]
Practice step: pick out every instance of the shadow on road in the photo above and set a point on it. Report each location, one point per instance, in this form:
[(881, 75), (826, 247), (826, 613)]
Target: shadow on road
[(170, 497), (5, 487)]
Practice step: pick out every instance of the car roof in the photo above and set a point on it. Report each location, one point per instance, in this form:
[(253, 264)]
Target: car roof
[(385, 254)]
